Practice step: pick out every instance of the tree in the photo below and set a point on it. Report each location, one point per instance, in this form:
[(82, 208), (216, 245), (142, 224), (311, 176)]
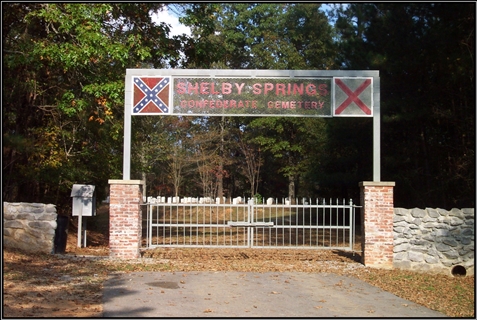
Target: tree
[(290, 141), (253, 161), (208, 156), (180, 146), (260, 36), (427, 101), (63, 68), (266, 36)]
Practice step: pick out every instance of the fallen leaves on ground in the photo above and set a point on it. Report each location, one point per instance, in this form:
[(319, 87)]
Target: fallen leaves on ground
[(39, 285), (42, 285), (70, 285)]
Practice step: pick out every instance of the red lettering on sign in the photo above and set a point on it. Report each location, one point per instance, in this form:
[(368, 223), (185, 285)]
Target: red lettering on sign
[(239, 87), (257, 88), (212, 88), (226, 88), (204, 88), (280, 89), (323, 88), (298, 88), (194, 88), (181, 88), (268, 88), (310, 89)]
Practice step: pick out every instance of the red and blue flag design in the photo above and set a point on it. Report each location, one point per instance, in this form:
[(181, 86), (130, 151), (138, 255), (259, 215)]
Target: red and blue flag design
[(151, 95)]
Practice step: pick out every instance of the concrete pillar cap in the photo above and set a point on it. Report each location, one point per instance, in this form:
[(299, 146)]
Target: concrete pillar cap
[(134, 182), (377, 183)]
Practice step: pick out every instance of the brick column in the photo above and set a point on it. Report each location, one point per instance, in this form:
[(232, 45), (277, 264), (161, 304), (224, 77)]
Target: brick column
[(377, 224), (125, 218)]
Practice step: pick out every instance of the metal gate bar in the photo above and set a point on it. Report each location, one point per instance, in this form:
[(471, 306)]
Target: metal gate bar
[(300, 224), (194, 225), (306, 225)]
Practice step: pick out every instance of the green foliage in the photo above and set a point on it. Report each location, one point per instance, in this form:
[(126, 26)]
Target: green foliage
[(258, 198), (64, 70), (63, 100), (259, 36), (427, 97), (265, 36)]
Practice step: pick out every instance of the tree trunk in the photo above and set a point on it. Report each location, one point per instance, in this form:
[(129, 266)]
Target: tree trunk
[(291, 189), (220, 176), (143, 177)]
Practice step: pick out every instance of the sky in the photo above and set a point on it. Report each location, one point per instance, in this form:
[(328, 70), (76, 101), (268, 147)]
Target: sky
[(171, 19), (176, 27)]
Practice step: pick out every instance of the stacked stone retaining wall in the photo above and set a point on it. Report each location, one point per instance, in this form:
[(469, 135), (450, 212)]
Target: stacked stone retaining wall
[(434, 240), (29, 226)]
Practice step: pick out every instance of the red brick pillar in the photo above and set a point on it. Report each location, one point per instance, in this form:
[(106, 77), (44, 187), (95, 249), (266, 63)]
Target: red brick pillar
[(125, 198), (377, 224)]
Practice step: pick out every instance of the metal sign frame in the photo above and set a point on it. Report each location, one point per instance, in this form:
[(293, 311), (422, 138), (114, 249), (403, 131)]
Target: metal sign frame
[(347, 86)]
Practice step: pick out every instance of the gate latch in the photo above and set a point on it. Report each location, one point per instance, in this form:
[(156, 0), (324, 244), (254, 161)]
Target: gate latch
[(249, 224)]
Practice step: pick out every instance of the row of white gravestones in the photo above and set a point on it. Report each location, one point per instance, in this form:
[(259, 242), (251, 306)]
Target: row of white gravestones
[(201, 200), (184, 200), (207, 200)]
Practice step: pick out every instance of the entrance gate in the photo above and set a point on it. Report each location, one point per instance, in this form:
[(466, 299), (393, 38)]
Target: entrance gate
[(289, 93), (306, 225)]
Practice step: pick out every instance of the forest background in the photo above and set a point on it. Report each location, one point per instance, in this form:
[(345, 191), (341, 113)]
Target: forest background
[(64, 67)]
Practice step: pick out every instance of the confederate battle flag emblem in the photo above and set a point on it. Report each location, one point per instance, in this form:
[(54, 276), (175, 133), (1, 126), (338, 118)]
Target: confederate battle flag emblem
[(151, 95)]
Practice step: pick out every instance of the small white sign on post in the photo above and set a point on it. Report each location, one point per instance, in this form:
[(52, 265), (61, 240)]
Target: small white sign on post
[(84, 205)]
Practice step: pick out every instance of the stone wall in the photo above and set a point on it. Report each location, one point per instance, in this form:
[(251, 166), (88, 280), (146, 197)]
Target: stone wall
[(29, 226), (434, 240)]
